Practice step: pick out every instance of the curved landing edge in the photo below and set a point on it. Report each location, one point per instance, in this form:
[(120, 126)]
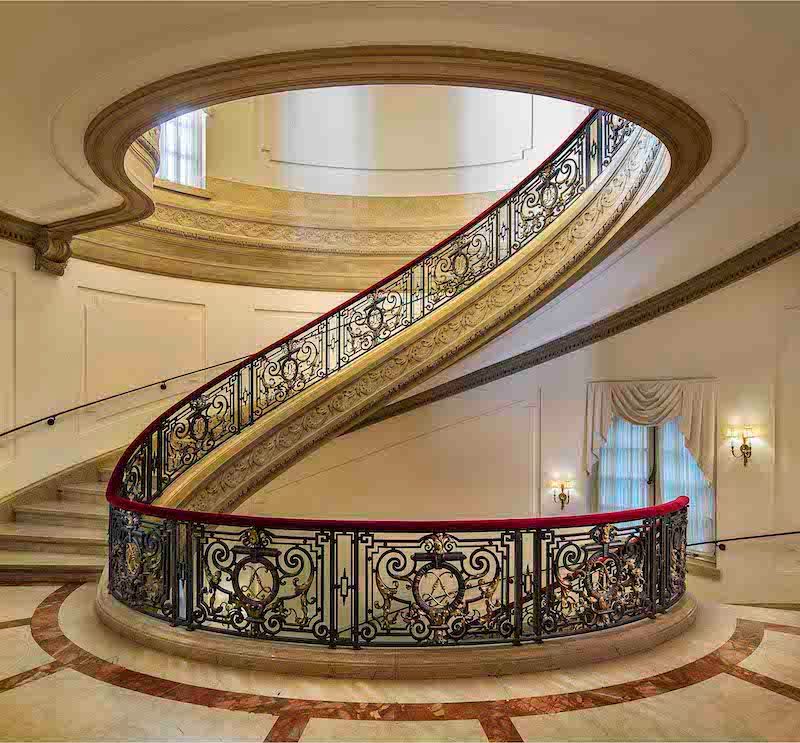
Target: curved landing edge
[(393, 663)]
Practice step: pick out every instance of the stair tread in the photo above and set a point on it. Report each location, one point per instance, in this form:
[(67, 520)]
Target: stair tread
[(52, 533), (91, 486), (64, 507), (20, 558)]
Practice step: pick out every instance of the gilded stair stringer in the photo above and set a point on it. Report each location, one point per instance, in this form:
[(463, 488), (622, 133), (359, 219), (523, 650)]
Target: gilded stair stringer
[(564, 250)]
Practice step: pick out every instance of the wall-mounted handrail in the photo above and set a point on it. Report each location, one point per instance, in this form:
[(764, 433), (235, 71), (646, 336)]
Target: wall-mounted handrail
[(52, 417), (721, 542)]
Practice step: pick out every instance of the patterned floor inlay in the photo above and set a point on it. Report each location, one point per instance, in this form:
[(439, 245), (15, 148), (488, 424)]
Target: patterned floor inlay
[(276, 718)]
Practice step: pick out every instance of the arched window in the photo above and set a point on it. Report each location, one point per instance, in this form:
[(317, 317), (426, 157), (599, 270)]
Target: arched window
[(183, 150)]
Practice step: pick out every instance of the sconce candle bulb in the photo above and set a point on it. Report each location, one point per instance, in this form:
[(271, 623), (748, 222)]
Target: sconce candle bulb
[(562, 495), (745, 448)]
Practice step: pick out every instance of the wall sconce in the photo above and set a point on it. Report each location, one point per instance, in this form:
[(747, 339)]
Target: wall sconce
[(745, 449), (562, 495)]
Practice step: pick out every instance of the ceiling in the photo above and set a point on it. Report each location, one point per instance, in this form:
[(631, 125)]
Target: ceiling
[(734, 63)]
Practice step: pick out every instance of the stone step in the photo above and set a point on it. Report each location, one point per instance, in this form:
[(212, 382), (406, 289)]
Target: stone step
[(64, 513), (84, 492), (20, 566), (18, 537)]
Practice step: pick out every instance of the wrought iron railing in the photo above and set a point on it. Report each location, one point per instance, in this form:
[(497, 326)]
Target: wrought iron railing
[(384, 583), (397, 583), (235, 400)]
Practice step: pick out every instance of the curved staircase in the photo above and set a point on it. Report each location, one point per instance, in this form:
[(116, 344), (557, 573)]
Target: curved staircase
[(222, 443), (213, 449)]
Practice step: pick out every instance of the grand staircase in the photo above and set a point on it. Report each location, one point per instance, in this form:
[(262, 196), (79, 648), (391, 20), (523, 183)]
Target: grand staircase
[(216, 447), (62, 539)]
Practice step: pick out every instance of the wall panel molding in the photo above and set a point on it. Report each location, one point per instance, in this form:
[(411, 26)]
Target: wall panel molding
[(128, 334)]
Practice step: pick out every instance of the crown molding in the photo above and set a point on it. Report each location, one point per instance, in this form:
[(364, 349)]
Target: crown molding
[(760, 256)]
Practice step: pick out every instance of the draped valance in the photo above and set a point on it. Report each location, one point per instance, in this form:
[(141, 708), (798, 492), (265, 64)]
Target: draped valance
[(651, 403)]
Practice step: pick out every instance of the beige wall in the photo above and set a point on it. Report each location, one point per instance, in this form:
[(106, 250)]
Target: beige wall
[(381, 140), (101, 330), (480, 453)]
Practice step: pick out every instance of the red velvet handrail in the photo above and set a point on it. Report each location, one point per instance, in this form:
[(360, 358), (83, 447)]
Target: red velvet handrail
[(539, 522)]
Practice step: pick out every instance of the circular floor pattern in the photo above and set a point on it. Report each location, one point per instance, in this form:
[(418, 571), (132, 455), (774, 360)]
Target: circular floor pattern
[(496, 717)]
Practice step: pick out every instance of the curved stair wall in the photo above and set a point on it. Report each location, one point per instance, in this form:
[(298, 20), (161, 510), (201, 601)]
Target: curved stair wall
[(214, 448)]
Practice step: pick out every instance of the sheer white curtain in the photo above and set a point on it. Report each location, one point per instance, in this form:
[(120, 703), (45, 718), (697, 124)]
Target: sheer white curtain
[(183, 149), (679, 474), (623, 469)]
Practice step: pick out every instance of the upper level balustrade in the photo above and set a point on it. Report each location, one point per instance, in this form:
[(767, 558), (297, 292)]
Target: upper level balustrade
[(221, 409), (388, 583)]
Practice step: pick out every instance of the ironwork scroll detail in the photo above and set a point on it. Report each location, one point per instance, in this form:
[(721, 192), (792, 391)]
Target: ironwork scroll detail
[(364, 587)]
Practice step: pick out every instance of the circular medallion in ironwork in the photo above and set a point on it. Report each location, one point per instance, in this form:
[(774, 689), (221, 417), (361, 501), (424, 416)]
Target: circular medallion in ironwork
[(256, 581), (198, 427), (374, 319), (460, 264), (438, 588), (289, 369)]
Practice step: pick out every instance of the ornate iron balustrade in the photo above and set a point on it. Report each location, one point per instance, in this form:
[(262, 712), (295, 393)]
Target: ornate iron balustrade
[(382, 583), (224, 407), (398, 583)]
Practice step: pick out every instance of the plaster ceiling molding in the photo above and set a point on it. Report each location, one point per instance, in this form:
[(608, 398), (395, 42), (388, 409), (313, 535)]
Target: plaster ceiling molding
[(109, 135), (226, 227)]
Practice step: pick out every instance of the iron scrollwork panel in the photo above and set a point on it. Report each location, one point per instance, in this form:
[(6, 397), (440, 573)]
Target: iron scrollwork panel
[(674, 556), (548, 195), (615, 131), (197, 428), (375, 318), (287, 370), (262, 583), (458, 265), (141, 562), (595, 578), (435, 589), (135, 475)]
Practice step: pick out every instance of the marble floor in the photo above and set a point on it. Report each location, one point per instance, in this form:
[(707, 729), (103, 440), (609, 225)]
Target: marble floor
[(735, 675)]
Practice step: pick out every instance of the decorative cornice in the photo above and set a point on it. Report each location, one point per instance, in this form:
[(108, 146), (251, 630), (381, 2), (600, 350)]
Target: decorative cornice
[(258, 236), (760, 256), (146, 148), (52, 245), (259, 233)]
